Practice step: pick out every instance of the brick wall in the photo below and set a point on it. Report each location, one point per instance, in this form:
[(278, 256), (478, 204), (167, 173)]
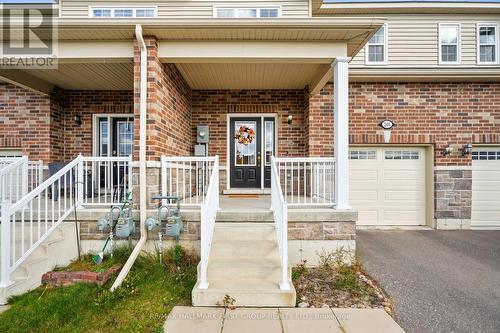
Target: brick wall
[(425, 113), (86, 103), (211, 107), (169, 106), (25, 121)]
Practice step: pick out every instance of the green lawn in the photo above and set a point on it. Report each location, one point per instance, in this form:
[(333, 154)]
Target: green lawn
[(148, 294)]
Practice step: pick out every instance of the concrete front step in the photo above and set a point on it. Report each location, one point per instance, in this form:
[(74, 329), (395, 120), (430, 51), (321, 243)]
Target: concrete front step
[(245, 264), (245, 292), (235, 231), (57, 250), (244, 248)]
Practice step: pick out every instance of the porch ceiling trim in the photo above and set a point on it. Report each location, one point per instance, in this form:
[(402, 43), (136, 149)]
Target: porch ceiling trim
[(94, 51), (25, 80), (250, 52)]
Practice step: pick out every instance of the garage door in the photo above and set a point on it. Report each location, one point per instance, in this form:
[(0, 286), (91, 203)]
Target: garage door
[(387, 185), (486, 187)]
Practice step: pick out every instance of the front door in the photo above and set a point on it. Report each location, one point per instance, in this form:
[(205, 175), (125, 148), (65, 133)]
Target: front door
[(245, 152), (252, 144), (115, 138)]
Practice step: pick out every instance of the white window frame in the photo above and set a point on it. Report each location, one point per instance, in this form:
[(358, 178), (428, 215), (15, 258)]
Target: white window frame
[(386, 46), (459, 43), (478, 48), (257, 8), (113, 8)]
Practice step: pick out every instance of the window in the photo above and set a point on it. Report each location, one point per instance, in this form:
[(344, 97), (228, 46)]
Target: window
[(377, 47), (449, 43), (123, 12), (265, 12), (487, 155), (487, 43), (362, 155), (401, 155), (269, 140)]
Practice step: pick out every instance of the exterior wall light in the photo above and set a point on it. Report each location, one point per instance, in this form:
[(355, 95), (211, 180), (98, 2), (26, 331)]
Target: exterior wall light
[(77, 120), (466, 149), (447, 150), (290, 119)]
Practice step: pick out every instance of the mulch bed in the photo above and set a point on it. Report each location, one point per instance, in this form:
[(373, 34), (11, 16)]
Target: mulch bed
[(336, 284)]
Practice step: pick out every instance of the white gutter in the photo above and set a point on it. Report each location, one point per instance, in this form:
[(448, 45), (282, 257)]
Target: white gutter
[(142, 161)]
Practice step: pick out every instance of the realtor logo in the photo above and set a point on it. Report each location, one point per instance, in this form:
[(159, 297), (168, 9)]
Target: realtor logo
[(29, 36)]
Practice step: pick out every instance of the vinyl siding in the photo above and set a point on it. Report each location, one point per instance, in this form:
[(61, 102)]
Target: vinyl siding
[(185, 9), (413, 40)]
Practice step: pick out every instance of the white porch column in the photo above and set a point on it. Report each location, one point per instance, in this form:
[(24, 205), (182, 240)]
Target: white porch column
[(341, 131)]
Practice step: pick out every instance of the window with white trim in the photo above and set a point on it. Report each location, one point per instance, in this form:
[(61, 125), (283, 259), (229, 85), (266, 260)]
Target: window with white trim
[(123, 12), (449, 43), (362, 155), (247, 12), (401, 155), (487, 155), (487, 43), (376, 48)]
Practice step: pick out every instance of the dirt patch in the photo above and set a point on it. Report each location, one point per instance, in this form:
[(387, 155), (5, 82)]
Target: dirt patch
[(335, 283)]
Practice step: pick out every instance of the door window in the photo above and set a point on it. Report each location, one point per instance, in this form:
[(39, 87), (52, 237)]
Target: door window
[(269, 140), (103, 137), (125, 138), (245, 143)]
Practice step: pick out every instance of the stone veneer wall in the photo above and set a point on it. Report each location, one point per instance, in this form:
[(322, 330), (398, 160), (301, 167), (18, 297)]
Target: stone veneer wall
[(453, 199)]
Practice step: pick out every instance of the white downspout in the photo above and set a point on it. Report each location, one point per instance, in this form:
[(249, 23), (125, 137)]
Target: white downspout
[(142, 160)]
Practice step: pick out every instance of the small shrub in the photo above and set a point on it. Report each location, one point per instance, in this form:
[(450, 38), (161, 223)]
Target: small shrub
[(299, 270)]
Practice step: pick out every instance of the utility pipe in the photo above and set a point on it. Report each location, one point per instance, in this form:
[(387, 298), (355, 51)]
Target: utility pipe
[(142, 160)]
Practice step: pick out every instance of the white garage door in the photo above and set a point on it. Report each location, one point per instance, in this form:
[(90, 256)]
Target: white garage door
[(486, 187), (387, 185)]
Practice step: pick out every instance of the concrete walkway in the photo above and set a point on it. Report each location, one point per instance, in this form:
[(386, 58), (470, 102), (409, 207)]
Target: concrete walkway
[(279, 320)]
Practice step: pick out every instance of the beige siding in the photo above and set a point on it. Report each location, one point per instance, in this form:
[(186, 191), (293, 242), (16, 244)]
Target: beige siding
[(185, 9), (413, 39)]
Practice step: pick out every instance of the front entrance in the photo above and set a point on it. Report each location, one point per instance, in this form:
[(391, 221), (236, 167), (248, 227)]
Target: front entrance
[(113, 137), (251, 145)]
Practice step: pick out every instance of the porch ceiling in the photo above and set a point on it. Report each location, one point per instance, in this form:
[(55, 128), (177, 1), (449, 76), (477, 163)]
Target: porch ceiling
[(86, 76), (251, 76)]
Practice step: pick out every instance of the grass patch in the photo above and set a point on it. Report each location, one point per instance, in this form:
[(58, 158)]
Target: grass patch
[(141, 304), (120, 255)]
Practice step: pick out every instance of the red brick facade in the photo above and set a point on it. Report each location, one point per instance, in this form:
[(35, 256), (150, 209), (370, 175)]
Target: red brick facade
[(425, 113), (43, 127), (211, 107), (25, 122), (169, 106)]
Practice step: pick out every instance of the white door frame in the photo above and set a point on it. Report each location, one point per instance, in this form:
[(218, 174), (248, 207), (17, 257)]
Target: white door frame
[(95, 127), (229, 141)]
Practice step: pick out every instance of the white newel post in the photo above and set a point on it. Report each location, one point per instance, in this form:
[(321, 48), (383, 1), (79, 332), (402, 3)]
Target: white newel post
[(341, 131), (5, 245), (79, 182)]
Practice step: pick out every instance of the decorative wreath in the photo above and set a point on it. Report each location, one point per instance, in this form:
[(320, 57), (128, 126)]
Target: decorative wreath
[(245, 135)]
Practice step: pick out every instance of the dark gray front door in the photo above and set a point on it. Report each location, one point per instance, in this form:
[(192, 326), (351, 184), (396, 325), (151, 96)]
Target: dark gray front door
[(245, 152)]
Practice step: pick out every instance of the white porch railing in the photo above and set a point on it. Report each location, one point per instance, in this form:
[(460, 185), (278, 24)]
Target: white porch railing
[(105, 180), (307, 181), (28, 222), (280, 212), (208, 213), (13, 179), (186, 177)]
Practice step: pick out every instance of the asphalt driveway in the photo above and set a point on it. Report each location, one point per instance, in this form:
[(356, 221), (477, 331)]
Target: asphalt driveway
[(440, 281)]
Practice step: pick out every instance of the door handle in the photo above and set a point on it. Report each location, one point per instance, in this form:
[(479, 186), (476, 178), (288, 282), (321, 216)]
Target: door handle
[(258, 159)]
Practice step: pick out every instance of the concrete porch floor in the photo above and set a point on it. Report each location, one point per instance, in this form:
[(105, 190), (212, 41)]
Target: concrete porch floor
[(250, 203), (279, 320)]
